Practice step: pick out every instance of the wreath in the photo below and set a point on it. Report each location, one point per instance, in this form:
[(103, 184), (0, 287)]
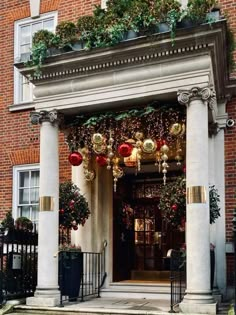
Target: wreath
[(173, 203), (73, 206)]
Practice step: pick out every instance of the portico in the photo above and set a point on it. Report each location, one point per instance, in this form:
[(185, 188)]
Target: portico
[(194, 71)]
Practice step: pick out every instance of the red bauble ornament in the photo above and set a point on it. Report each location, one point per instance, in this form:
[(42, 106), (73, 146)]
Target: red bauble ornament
[(75, 227), (61, 211), (174, 207), (75, 158), (160, 143), (101, 160), (125, 149), (184, 169)]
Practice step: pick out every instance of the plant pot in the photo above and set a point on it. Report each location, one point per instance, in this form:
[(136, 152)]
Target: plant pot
[(163, 27), (78, 46), (130, 35), (187, 23), (71, 272), (54, 51), (213, 16)]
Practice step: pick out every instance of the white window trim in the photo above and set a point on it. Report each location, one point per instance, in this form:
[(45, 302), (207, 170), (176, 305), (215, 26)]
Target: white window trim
[(17, 26), (15, 184)]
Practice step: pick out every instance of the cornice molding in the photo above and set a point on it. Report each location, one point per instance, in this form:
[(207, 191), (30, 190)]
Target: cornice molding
[(143, 67), (204, 39)]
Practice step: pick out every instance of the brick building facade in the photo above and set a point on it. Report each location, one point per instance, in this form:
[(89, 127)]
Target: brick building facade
[(19, 140)]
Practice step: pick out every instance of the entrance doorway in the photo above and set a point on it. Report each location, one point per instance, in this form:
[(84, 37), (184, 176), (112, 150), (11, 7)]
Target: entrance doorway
[(141, 236)]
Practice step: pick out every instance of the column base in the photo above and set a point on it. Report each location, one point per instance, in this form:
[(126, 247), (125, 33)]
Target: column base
[(44, 297), (195, 308)]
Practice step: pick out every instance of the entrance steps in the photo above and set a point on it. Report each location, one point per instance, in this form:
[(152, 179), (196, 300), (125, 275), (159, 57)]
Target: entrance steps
[(136, 290)]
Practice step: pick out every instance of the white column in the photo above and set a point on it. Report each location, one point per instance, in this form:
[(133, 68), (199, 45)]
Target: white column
[(198, 298), (47, 292), (83, 236)]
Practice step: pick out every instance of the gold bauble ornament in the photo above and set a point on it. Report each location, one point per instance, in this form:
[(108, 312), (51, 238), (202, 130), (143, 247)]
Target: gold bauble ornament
[(97, 138), (149, 146), (175, 129)]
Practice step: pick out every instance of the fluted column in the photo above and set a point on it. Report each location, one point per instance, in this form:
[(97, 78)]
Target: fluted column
[(198, 298), (47, 291)]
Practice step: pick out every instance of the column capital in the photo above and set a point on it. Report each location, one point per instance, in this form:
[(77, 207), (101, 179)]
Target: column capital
[(206, 94), (54, 117)]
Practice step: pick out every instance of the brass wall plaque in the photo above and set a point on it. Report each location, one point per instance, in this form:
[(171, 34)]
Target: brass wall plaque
[(196, 194), (46, 203)]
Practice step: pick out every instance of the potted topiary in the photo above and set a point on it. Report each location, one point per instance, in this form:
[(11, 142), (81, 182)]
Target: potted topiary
[(140, 17), (197, 10), (86, 26), (167, 13), (73, 206), (68, 34), (24, 224)]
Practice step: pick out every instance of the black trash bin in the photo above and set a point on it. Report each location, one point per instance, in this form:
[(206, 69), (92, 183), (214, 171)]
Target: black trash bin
[(70, 271)]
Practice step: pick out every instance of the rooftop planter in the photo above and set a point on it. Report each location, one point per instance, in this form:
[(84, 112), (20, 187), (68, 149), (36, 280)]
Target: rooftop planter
[(106, 28)]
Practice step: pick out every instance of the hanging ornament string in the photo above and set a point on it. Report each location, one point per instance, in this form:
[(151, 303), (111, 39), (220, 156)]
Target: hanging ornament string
[(151, 134)]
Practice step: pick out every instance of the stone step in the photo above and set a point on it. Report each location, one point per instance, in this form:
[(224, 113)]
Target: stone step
[(137, 291)]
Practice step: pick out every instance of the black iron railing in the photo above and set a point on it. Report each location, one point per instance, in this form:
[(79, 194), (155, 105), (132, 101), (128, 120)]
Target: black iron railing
[(18, 263), (177, 278), (81, 274)]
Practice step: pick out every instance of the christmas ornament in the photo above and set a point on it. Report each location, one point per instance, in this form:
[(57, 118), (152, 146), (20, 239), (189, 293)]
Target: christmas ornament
[(149, 146), (75, 158), (101, 160), (175, 129), (174, 207), (89, 175), (110, 153), (125, 149), (117, 172), (99, 148), (164, 157), (97, 138), (131, 161), (139, 143)]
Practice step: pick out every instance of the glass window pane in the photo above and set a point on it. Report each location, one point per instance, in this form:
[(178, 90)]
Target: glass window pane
[(25, 90), (36, 27), (35, 213), (24, 49), (24, 196), (24, 179), (25, 35), (34, 179), (34, 195), (49, 25), (25, 211)]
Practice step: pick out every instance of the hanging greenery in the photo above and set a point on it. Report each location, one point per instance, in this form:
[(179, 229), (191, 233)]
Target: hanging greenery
[(173, 203), (73, 206)]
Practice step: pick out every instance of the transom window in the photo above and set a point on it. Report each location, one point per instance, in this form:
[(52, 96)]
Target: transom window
[(26, 192), (24, 31)]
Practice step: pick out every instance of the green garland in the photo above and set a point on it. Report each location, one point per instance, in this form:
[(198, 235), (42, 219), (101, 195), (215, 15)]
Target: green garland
[(173, 203), (73, 207)]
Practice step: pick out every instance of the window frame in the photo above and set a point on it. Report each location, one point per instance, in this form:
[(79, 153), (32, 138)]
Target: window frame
[(15, 185), (17, 27)]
